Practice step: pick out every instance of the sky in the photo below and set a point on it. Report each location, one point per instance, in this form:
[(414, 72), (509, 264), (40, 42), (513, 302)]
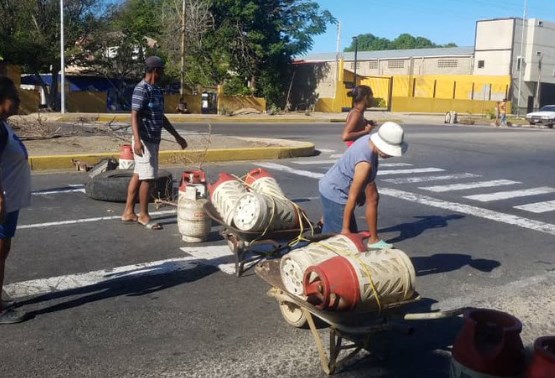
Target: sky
[(441, 21)]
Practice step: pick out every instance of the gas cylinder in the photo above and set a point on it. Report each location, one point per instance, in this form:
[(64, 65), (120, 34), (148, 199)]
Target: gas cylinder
[(294, 264), (266, 207), (543, 360), (192, 221), (224, 194), (488, 345), (126, 159), (365, 280)]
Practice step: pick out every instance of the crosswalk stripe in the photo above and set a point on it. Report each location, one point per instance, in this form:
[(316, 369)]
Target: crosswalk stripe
[(394, 165), (219, 256), (471, 210), (284, 168), (413, 180), (408, 171), (79, 280), (469, 185), (538, 207), (511, 194), (308, 162)]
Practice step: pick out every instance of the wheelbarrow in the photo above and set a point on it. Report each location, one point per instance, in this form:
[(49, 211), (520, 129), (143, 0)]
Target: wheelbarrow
[(349, 331), (242, 243)]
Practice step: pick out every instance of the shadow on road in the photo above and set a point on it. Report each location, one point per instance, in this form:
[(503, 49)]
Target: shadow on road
[(131, 283), (448, 262), (413, 229)]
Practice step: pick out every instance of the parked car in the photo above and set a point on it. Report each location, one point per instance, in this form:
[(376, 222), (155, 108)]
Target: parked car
[(545, 116)]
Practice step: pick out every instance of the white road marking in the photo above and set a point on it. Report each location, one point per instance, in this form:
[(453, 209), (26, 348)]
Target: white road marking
[(471, 210), (411, 180), (469, 185), (79, 280), (335, 156), (511, 194), (325, 150), (538, 207), (394, 165), (216, 255), (308, 162), (68, 189), (408, 171), (284, 168), (85, 220)]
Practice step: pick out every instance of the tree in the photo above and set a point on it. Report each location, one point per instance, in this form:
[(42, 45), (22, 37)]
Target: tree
[(255, 41), (30, 35), (369, 42)]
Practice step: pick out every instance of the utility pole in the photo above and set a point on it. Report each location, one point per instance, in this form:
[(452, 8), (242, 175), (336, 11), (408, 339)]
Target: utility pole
[(520, 65), (182, 71), (355, 40), (538, 92), (62, 61)]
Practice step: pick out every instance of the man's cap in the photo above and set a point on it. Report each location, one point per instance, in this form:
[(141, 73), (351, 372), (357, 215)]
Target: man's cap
[(154, 62)]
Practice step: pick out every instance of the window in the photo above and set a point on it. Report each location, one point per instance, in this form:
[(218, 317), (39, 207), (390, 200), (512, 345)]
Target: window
[(398, 63), (481, 64), (373, 64), (353, 65), (447, 63)]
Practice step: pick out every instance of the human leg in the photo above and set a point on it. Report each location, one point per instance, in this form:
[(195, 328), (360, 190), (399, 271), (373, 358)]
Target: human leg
[(5, 246), (132, 190)]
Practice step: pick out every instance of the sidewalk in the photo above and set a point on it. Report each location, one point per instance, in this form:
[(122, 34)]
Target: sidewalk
[(58, 153)]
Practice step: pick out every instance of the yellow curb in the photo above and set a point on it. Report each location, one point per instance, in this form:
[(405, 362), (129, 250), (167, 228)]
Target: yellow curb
[(197, 119), (301, 149)]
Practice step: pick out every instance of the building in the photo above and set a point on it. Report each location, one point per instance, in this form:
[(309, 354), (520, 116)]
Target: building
[(466, 79)]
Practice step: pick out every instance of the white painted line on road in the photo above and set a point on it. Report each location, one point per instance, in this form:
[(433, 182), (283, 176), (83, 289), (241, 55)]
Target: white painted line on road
[(413, 180), (68, 189), (538, 207), (469, 185), (335, 156), (394, 165), (79, 280), (408, 171), (219, 256), (509, 290), (85, 220), (308, 162), (325, 150), (284, 168), (511, 194), (471, 210)]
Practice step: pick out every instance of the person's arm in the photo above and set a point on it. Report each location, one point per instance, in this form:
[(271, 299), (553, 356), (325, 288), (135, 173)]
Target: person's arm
[(371, 212), (362, 170), (137, 145), (3, 143), (178, 138), (349, 131)]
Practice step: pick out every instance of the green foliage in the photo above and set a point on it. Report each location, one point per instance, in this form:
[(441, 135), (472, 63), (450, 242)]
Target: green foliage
[(369, 42)]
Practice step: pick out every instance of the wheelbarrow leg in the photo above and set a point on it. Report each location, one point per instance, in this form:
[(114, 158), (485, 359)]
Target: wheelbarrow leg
[(324, 361)]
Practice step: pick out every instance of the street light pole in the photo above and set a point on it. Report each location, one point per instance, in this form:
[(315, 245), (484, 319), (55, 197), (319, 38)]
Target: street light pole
[(62, 61), (521, 64)]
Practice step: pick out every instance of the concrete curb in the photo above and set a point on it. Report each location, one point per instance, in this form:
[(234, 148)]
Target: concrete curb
[(172, 157)]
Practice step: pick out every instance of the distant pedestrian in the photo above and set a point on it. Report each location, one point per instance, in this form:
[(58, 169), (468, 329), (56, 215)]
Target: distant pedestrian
[(356, 125), (15, 187), (147, 121), (351, 182), (503, 112)]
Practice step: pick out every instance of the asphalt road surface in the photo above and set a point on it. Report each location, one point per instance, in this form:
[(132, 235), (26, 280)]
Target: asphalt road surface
[(473, 207)]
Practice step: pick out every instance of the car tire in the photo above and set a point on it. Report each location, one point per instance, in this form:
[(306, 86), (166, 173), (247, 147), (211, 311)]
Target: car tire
[(112, 185)]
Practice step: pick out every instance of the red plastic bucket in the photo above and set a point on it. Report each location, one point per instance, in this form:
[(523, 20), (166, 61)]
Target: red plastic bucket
[(332, 285), (543, 361), (489, 343)]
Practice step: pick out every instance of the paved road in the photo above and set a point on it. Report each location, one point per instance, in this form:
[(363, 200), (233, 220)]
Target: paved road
[(473, 207)]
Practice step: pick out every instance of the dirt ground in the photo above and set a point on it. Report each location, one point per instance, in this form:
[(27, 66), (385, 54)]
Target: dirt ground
[(56, 139)]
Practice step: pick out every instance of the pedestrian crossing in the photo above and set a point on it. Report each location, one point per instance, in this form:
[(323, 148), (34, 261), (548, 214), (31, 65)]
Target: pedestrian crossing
[(469, 186)]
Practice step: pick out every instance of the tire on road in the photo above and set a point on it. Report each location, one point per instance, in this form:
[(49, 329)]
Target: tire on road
[(112, 185)]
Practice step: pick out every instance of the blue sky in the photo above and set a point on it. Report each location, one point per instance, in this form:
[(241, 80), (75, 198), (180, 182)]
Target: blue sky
[(441, 21)]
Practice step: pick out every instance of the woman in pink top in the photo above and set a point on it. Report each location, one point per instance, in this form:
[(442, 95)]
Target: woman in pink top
[(356, 125)]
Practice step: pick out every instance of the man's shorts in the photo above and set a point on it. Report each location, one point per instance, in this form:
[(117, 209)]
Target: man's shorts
[(146, 166), (7, 229)]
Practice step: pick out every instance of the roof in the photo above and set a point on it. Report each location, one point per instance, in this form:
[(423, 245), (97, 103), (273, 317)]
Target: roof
[(391, 54)]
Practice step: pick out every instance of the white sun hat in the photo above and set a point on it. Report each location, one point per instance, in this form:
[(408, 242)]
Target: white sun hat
[(389, 139)]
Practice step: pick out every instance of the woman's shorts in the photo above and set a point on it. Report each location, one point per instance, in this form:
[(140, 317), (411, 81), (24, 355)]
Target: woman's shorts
[(7, 229)]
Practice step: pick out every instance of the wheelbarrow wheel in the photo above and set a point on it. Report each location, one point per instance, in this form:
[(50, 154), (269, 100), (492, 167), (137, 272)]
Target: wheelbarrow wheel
[(293, 314)]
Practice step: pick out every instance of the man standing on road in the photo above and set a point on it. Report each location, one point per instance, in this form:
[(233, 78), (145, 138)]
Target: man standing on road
[(147, 121)]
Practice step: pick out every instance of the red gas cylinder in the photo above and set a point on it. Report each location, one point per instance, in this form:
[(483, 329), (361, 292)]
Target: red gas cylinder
[(192, 177), (543, 361), (489, 343), (332, 285), (126, 159)]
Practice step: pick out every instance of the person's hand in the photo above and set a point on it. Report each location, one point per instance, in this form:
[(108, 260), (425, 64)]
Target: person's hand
[(345, 231), (181, 141), (370, 125), (138, 148), (2, 209)]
